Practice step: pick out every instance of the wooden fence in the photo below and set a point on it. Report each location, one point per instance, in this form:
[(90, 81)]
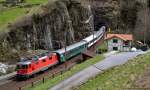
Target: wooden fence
[(45, 79)]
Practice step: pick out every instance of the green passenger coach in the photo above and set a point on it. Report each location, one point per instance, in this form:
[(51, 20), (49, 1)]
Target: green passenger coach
[(71, 50)]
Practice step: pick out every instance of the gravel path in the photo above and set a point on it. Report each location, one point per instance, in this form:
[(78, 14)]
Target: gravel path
[(93, 70)]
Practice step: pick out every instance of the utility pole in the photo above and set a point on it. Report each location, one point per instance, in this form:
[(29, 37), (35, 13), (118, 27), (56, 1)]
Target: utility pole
[(69, 23), (145, 32), (65, 48)]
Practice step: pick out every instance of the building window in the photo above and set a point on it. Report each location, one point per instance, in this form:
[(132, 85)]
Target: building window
[(115, 41), (115, 48), (126, 43)]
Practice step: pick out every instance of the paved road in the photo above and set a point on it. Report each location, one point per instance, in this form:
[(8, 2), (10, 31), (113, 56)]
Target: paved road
[(93, 70), (117, 59)]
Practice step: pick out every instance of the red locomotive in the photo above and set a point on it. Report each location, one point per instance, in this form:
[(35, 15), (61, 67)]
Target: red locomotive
[(37, 63)]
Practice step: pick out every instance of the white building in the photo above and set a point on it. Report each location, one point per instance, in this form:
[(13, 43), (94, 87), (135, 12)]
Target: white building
[(119, 42)]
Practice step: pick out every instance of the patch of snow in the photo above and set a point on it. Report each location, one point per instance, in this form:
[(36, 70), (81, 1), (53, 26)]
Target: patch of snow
[(3, 68)]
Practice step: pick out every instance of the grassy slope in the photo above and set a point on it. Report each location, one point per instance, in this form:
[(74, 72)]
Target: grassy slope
[(36, 1), (74, 70), (9, 15), (119, 77)]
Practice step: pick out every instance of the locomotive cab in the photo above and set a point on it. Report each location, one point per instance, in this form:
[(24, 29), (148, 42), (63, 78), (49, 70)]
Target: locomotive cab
[(23, 69)]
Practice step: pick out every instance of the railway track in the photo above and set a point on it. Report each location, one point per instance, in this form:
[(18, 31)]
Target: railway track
[(13, 84)]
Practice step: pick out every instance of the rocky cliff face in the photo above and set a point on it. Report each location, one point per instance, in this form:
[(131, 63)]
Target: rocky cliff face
[(142, 26), (123, 16), (106, 12), (119, 15), (57, 23)]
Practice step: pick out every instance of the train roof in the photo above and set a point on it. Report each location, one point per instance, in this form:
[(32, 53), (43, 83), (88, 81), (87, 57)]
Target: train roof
[(96, 34), (100, 31), (24, 62), (89, 38), (71, 47)]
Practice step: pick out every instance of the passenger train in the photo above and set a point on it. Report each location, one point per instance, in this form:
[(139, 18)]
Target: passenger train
[(26, 68)]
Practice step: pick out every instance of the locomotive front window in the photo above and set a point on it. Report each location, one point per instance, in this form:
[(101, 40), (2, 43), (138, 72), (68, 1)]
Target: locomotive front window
[(22, 66), (18, 67)]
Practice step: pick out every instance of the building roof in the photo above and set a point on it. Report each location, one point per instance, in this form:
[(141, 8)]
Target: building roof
[(124, 37)]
